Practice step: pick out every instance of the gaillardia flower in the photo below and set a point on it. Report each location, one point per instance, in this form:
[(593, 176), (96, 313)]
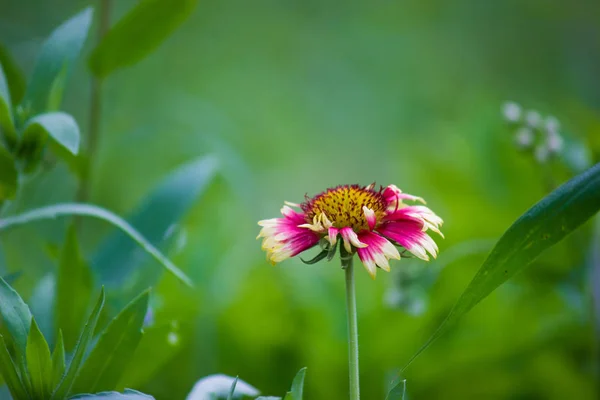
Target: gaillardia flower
[(369, 222)]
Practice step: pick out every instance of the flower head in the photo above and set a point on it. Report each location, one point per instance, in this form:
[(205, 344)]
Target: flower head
[(367, 221)]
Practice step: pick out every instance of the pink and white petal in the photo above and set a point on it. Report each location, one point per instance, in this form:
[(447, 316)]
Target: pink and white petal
[(377, 253), (393, 196), (421, 214), (350, 238), (332, 234), (370, 217), (409, 234)]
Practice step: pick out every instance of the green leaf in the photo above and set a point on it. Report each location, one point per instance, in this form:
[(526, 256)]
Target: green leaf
[(138, 33), (9, 176), (11, 278), (16, 316), (39, 362), (58, 360), (60, 126), (542, 226), (128, 394), (114, 350), (398, 391), (64, 387), (164, 206), (7, 123), (74, 282), (232, 389), (14, 75), (156, 348), (58, 54), (51, 212), (8, 370), (297, 386)]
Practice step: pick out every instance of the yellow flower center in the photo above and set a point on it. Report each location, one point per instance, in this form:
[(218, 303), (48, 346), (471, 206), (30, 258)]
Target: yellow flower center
[(343, 206)]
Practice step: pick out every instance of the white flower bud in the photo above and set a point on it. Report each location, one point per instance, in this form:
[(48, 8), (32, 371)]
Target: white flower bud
[(555, 142), (552, 124), (541, 153), (533, 119), (511, 111), (524, 137)]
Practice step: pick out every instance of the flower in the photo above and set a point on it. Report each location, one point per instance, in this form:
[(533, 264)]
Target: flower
[(366, 221)]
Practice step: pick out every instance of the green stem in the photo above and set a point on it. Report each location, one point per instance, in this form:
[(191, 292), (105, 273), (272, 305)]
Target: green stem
[(352, 333)]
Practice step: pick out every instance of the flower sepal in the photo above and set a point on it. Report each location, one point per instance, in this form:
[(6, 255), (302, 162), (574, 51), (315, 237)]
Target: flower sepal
[(345, 257)]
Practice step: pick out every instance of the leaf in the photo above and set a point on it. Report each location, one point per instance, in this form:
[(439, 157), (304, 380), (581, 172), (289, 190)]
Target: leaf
[(7, 123), (58, 125), (297, 386), (128, 394), (9, 176), (14, 75), (114, 350), (64, 387), (232, 390), (8, 370), (155, 349), (41, 304), (74, 282), (220, 385), (58, 360), (58, 52), (159, 211), (11, 278), (39, 362), (138, 33), (89, 210), (398, 391), (543, 225), (16, 316)]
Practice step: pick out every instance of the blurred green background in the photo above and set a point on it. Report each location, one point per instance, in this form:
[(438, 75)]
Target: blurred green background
[(292, 97)]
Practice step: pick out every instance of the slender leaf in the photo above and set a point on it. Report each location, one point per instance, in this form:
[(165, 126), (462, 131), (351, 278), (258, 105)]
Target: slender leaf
[(542, 226), (9, 176), (128, 394), (8, 370), (153, 352), (220, 386), (11, 278), (74, 282), (64, 387), (16, 316), (58, 54), (41, 304), (39, 362), (14, 75), (159, 211), (60, 126), (58, 360), (114, 350), (89, 210), (232, 389), (138, 33), (398, 391), (7, 122), (297, 390)]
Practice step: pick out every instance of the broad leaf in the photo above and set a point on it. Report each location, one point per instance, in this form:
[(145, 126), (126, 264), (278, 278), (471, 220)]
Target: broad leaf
[(138, 33), (114, 350), (74, 282), (7, 123), (39, 362), (55, 60), (159, 211), (60, 126), (64, 387), (14, 75), (220, 386), (542, 226), (128, 394), (58, 360), (53, 211), (8, 370), (16, 316), (9, 176)]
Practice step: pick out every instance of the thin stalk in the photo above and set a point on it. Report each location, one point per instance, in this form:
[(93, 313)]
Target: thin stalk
[(95, 107), (352, 332)]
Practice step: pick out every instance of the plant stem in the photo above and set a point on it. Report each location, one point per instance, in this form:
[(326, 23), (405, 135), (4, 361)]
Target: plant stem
[(95, 107), (352, 333)]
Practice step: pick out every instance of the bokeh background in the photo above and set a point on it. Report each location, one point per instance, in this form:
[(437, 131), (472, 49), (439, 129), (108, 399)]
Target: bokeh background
[(291, 97)]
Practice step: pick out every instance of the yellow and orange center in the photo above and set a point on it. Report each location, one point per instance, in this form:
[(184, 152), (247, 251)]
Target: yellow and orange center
[(343, 206)]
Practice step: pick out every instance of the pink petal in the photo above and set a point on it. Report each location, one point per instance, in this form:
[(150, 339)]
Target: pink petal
[(394, 196), (332, 235), (350, 237), (370, 217), (409, 234), (377, 253)]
